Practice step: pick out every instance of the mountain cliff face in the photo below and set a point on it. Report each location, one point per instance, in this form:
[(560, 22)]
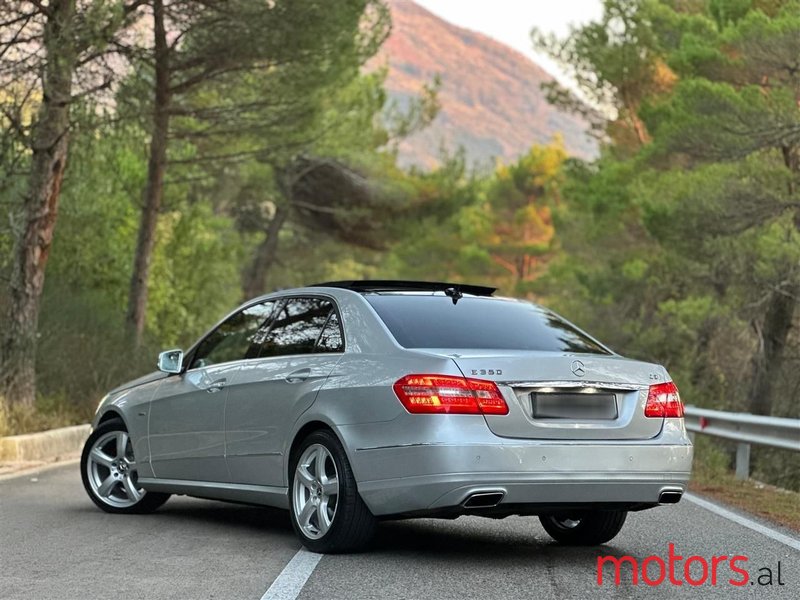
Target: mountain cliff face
[(491, 101)]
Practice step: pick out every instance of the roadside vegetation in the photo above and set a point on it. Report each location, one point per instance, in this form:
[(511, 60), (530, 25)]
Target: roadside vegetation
[(161, 160), (712, 476)]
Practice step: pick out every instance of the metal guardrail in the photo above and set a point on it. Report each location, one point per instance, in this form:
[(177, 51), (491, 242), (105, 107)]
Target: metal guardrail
[(745, 429)]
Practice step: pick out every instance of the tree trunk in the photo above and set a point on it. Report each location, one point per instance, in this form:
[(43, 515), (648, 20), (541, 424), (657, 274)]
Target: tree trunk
[(137, 298), (768, 359), (774, 331), (255, 281), (39, 209), (640, 129)]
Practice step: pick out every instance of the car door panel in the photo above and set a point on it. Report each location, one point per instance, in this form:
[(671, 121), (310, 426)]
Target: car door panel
[(298, 350), (187, 415), (268, 396), (187, 425)]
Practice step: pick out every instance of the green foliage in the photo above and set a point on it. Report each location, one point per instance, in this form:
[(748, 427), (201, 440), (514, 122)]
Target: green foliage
[(697, 229), (726, 12), (615, 63), (244, 105), (195, 280), (98, 214), (496, 228)]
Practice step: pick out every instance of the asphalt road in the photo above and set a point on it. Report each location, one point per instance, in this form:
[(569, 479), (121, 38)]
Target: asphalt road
[(55, 544)]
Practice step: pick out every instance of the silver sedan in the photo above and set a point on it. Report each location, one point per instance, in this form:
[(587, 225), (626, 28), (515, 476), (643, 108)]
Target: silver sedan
[(351, 402)]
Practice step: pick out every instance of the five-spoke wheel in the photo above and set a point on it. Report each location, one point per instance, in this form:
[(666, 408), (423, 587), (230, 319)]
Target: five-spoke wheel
[(112, 470), (110, 474), (315, 491), (327, 511)]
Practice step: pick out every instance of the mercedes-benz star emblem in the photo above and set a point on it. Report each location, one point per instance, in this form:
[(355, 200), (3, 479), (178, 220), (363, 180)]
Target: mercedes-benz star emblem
[(577, 368)]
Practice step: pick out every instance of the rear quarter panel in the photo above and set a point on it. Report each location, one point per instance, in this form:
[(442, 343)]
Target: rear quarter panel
[(359, 392)]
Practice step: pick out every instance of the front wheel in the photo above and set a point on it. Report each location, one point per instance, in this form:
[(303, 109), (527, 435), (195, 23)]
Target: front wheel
[(584, 528), (328, 514), (110, 475)]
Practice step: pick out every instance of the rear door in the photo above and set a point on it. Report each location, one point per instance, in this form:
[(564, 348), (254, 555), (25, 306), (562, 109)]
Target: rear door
[(298, 350), (187, 417)]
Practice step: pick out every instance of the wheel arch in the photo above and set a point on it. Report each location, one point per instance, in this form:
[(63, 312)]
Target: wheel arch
[(110, 414), (303, 431)]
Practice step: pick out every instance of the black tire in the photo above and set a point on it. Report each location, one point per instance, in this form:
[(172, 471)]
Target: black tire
[(585, 528), (353, 525), (149, 501)]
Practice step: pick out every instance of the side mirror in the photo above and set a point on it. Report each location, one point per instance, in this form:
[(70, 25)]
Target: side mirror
[(170, 361)]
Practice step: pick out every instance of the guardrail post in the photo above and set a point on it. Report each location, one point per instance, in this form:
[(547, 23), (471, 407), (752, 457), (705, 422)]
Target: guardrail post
[(742, 460)]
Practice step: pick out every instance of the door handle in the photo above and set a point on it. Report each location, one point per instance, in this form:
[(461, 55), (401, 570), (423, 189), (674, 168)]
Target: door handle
[(298, 376), (216, 386)]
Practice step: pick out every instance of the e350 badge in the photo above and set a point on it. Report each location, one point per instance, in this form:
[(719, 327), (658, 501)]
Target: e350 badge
[(487, 371)]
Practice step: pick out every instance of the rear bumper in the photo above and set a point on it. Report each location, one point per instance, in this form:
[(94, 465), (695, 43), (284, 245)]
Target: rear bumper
[(428, 477), (434, 493)]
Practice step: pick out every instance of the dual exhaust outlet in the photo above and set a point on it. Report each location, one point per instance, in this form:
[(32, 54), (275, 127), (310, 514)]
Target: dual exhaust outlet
[(489, 499), (492, 498), (486, 499)]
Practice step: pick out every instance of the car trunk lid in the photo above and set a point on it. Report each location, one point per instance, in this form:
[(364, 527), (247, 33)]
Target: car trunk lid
[(561, 396)]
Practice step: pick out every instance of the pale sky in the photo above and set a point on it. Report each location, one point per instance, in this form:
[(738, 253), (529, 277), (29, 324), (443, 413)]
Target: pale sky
[(510, 21)]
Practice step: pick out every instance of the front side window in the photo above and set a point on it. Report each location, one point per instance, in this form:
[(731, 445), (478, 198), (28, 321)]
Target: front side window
[(236, 338), (298, 329)]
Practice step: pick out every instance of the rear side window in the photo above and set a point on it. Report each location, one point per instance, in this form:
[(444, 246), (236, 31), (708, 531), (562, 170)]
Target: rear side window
[(302, 326), (476, 323), (330, 340)]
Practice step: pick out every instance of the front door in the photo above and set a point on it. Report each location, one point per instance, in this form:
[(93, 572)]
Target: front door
[(187, 416), (187, 439)]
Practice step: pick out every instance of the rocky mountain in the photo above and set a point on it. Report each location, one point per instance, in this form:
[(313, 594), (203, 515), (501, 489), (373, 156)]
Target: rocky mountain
[(492, 103)]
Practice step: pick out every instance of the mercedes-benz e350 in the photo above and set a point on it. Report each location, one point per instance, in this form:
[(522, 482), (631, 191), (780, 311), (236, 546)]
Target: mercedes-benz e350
[(352, 402)]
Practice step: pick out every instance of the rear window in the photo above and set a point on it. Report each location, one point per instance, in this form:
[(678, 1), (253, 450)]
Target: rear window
[(435, 322)]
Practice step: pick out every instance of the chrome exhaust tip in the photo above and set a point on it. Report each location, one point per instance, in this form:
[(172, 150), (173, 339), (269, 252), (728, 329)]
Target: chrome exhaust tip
[(670, 497), (484, 499)]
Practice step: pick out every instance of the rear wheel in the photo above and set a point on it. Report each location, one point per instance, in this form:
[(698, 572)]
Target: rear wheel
[(110, 474), (584, 528), (328, 514)]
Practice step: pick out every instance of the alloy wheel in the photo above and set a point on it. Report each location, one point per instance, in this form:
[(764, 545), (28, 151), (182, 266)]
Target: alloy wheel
[(112, 472), (315, 493)]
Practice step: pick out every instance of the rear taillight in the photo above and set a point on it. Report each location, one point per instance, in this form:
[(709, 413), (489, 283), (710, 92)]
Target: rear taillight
[(663, 400), (449, 394)]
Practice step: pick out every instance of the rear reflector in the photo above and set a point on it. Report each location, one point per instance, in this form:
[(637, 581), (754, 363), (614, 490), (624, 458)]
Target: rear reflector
[(449, 394), (663, 401)]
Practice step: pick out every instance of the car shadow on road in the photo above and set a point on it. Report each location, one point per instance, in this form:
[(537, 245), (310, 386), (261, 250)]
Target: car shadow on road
[(243, 517), (259, 519), (460, 538), (439, 539)]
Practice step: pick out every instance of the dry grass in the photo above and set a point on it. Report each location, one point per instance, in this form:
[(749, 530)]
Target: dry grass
[(776, 504), (712, 476), (46, 414)]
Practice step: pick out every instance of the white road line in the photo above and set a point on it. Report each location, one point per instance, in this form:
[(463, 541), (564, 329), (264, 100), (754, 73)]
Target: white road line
[(744, 521), (290, 582)]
